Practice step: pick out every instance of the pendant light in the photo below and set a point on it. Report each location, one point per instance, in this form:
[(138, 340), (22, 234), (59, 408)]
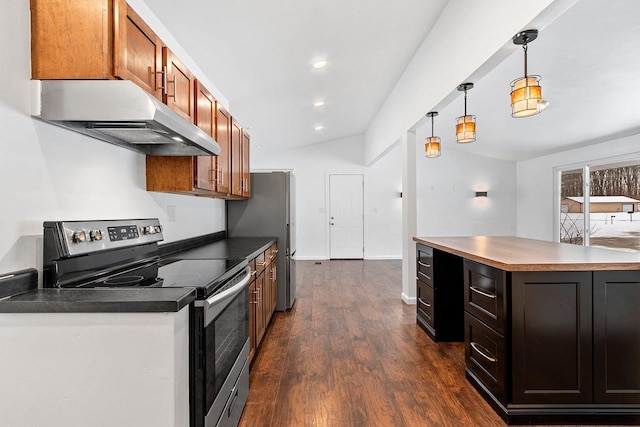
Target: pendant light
[(465, 125), (432, 143), (526, 93)]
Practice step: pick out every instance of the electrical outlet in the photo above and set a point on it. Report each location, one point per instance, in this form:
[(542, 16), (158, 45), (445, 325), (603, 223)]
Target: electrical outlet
[(171, 213)]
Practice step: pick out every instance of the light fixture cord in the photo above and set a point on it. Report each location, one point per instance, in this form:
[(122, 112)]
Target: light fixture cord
[(431, 126), (465, 101), (524, 47)]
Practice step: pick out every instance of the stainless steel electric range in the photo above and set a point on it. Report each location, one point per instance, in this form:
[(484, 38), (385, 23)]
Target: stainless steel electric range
[(124, 253)]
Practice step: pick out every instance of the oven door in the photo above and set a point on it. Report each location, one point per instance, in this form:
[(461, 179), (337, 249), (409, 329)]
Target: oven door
[(223, 322)]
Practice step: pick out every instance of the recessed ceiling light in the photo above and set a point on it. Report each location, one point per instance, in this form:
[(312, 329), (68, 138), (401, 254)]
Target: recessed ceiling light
[(319, 64), (319, 127), (318, 103)]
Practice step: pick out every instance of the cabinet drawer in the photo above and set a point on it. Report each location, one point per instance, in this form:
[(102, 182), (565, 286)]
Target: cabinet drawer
[(484, 289), (485, 356), (424, 264), (261, 262), (425, 303)]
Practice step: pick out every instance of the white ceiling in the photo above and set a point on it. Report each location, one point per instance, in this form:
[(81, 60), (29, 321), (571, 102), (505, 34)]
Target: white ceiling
[(260, 54)]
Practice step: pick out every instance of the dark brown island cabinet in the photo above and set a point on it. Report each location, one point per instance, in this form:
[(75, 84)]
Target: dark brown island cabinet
[(551, 331)]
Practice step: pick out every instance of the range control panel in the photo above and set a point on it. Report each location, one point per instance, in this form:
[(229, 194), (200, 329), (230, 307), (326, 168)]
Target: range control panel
[(83, 237)]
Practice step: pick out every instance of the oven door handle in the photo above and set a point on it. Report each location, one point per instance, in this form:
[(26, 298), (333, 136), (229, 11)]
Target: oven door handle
[(228, 293)]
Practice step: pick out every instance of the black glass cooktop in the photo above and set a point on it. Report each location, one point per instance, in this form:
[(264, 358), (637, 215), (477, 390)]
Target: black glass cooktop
[(204, 274)]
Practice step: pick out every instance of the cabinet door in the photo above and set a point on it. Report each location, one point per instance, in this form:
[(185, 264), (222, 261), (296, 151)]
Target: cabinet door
[(425, 307), (178, 85), (236, 158), (485, 356), (137, 51), (616, 333), (205, 118), (70, 39), (425, 264), (246, 172), (253, 301), (551, 331), (260, 293), (223, 161), (484, 288)]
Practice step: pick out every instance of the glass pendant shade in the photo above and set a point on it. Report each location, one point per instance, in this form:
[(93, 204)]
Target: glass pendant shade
[(526, 96), (432, 146), (466, 129)]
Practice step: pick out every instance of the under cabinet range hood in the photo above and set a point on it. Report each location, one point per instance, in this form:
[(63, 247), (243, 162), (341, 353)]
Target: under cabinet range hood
[(122, 113)]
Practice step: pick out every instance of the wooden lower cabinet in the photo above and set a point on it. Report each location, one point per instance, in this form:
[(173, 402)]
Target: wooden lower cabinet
[(616, 320), (552, 354), (542, 347), (262, 296), (439, 292)]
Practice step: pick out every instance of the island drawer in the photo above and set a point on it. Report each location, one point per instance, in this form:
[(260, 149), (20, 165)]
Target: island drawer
[(484, 290), (485, 356), (425, 264), (425, 303)]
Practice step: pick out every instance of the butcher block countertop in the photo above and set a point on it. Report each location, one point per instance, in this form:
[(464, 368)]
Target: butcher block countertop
[(519, 254)]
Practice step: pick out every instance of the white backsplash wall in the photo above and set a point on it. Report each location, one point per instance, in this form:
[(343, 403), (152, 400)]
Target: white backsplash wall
[(446, 187), (382, 206), (49, 173)]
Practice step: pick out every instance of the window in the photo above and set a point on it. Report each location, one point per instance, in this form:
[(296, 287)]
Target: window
[(599, 205)]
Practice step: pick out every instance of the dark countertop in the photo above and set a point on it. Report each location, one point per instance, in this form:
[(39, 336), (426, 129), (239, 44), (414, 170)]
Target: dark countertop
[(99, 300), (25, 298), (232, 248)]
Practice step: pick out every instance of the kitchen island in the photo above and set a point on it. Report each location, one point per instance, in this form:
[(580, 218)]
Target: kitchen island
[(551, 331)]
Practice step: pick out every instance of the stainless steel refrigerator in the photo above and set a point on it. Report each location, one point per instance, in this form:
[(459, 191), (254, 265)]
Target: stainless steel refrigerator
[(270, 211)]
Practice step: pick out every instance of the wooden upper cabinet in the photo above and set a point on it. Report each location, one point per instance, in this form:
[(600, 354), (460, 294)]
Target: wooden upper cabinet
[(137, 50), (236, 158), (246, 173), (178, 85), (223, 161), (205, 119), (71, 39)]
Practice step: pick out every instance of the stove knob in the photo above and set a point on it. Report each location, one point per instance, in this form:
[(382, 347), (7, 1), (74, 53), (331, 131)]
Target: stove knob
[(157, 229), (148, 229), (79, 236), (95, 235)]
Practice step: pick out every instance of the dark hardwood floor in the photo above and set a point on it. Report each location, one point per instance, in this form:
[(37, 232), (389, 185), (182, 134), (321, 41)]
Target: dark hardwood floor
[(350, 354)]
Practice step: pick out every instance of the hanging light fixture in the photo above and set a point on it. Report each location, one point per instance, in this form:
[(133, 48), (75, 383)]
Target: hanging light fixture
[(526, 93), (465, 125), (432, 143)]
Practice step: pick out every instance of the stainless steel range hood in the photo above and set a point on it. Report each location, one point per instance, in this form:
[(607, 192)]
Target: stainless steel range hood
[(122, 113)]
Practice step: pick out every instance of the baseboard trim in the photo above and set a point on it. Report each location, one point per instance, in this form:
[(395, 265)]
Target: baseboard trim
[(382, 257), (409, 300), (310, 258)]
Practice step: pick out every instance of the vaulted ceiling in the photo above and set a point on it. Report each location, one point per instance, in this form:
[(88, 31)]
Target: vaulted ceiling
[(260, 55)]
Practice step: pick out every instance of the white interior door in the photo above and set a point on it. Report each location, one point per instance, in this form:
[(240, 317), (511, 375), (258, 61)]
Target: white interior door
[(346, 201)]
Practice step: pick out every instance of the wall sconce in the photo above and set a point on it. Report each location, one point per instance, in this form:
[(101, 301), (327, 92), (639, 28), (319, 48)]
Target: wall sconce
[(481, 194), (432, 143), (526, 93), (465, 125)]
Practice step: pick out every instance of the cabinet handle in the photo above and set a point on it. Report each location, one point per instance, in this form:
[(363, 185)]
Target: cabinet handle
[(424, 265), (164, 79), (261, 264), (428, 277), (482, 292), (424, 302), (253, 273), (482, 353), (155, 80), (221, 177)]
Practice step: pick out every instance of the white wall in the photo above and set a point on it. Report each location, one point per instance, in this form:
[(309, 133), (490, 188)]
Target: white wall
[(535, 210), (312, 164), (446, 202), (452, 52), (48, 173)]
